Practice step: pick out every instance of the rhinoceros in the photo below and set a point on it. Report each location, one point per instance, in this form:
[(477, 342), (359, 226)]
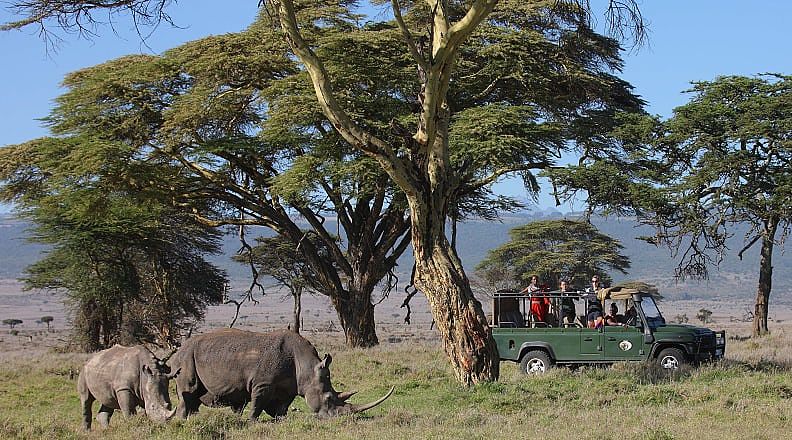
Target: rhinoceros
[(231, 367), (125, 378)]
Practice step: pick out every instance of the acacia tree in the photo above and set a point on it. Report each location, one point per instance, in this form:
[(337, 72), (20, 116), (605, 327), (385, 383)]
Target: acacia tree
[(421, 165), (497, 77), (277, 258), (11, 323), (732, 158), (130, 265), (249, 153), (722, 160), (555, 249), (47, 320)]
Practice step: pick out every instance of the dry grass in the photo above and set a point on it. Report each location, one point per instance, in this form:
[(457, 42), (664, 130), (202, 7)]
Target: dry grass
[(747, 396)]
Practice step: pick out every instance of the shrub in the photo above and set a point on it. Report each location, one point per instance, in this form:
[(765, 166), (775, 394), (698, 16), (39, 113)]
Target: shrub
[(704, 316)]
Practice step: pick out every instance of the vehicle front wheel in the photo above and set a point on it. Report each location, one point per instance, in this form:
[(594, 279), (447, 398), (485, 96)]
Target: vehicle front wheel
[(535, 362), (671, 359)]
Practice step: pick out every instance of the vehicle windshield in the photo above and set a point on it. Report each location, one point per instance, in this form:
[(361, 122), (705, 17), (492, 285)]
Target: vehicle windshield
[(651, 312)]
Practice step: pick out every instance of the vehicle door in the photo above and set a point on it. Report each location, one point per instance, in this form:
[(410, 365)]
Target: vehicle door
[(591, 344), (623, 343)]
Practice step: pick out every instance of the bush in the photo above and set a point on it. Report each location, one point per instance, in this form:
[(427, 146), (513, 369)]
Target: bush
[(704, 316)]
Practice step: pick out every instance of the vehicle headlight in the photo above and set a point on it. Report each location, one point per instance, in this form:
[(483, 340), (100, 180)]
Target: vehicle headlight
[(720, 338)]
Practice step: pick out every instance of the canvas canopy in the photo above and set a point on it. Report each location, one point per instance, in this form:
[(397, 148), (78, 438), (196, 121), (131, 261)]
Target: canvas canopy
[(626, 291)]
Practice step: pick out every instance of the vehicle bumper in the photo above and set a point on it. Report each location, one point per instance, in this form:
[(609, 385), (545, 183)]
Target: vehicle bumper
[(712, 351), (720, 344)]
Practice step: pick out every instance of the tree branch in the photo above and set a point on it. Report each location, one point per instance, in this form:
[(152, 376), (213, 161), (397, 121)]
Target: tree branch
[(416, 54), (351, 132), (749, 245)]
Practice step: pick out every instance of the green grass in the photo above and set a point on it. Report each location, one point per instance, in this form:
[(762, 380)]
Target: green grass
[(732, 399)]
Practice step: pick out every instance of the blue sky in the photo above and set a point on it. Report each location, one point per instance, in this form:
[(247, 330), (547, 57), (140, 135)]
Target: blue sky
[(688, 41)]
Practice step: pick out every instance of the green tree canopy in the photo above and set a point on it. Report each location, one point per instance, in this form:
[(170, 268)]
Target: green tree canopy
[(721, 160), (554, 250), (130, 264)]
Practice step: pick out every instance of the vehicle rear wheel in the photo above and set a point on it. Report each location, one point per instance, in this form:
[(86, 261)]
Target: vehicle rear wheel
[(671, 359), (535, 362)]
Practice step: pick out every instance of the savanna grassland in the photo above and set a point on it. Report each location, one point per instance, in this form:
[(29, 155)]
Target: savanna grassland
[(748, 395)]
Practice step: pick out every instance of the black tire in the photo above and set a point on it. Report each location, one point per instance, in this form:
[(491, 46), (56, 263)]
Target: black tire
[(671, 359), (535, 362)]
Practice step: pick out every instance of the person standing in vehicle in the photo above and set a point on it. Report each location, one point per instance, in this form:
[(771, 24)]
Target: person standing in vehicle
[(539, 304), (567, 303), (595, 284), (533, 286), (594, 315)]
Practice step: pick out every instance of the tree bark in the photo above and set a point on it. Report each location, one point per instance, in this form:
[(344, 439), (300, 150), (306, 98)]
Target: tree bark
[(356, 313), (297, 295), (467, 338), (765, 278)]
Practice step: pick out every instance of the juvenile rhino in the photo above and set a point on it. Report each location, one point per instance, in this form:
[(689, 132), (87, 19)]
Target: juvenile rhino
[(125, 378), (232, 367)]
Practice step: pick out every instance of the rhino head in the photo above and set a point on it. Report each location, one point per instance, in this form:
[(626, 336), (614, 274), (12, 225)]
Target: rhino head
[(154, 390), (327, 402)]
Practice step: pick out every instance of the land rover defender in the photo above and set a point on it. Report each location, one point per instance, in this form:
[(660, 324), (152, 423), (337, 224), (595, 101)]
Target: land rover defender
[(539, 342)]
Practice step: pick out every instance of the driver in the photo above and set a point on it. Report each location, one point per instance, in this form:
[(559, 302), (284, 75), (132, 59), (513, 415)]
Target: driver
[(613, 317)]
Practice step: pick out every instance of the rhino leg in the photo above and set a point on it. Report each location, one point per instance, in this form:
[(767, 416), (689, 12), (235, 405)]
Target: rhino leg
[(277, 410), (87, 400), (103, 416), (126, 402), (260, 398), (239, 407), (188, 405), (86, 411)]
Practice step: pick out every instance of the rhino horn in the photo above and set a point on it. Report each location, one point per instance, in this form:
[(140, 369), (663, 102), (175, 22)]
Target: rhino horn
[(360, 408), (346, 395), (159, 413)]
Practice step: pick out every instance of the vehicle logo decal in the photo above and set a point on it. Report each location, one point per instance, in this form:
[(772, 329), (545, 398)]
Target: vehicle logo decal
[(625, 345)]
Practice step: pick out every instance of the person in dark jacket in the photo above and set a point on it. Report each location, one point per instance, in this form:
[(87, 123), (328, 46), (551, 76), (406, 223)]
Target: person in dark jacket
[(567, 303)]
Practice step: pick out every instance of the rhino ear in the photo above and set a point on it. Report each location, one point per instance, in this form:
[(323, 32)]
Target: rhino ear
[(326, 361), (147, 370)]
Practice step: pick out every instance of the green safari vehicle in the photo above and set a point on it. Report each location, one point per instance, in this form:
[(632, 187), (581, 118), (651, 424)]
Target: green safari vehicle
[(539, 342)]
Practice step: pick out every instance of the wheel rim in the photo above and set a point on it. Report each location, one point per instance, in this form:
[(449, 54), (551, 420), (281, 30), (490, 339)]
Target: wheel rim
[(669, 362), (534, 366)]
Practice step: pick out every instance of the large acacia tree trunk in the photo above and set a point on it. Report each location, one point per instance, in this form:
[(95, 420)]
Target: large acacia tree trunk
[(467, 338), (765, 278), (356, 313)]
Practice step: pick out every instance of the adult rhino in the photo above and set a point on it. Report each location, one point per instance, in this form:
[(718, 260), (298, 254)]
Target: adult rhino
[(231, 367), (125, 378)]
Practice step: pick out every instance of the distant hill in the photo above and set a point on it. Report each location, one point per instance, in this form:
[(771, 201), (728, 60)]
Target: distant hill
[(734, 279), (16, 253)]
